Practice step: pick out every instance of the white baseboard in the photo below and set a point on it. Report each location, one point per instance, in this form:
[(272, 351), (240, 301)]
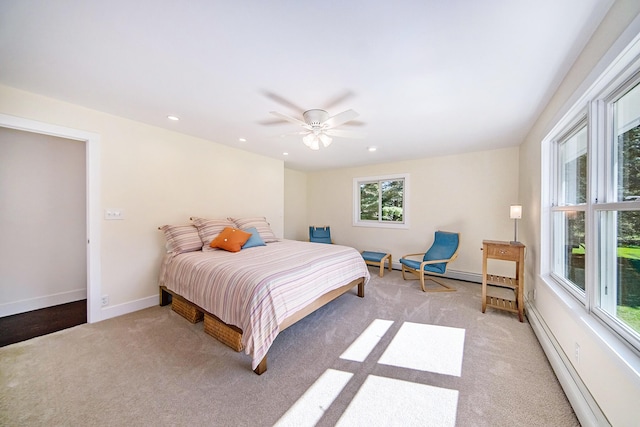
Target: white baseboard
[(463, 275), (22, 306), (583, 404), (128, 307), (451, 274)]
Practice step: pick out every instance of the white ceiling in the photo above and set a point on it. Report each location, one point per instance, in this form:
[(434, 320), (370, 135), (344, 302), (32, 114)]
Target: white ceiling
[(428, 77)]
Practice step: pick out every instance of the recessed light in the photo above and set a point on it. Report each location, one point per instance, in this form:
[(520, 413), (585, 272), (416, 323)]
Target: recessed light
[(372, 149), (285, 154), (174, 118), (242, 139)]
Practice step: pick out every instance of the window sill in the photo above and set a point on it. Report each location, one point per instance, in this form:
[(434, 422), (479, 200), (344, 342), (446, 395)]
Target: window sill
[(625, 356), (381, 225)]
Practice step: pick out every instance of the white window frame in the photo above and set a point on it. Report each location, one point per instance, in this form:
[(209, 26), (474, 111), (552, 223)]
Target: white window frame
[(357, 222), (555, 207), (606, 202), (622, 73)]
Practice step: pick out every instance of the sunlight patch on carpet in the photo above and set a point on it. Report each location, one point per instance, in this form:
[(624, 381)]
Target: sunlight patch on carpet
[(429, 348), (308, 410), (362, 346), (390, 402)]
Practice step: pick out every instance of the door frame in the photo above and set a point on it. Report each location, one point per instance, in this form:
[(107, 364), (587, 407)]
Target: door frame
[(92, 145)]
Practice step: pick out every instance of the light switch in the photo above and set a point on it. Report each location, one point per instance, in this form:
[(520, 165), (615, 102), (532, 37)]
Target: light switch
[(111, 214)]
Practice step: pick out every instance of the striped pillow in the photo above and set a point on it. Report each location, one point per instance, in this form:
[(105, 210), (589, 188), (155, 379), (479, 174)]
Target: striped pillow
[(181, 238), (208, 229), (260, 223)]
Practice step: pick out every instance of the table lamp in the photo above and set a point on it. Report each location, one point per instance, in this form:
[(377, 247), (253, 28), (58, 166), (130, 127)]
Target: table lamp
[(515, 213)]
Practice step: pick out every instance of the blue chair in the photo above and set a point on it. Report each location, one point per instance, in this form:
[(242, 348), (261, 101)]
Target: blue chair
[(434, 262), (320, 234)]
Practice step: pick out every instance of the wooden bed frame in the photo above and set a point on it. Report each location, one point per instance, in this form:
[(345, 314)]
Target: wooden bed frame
[(166, 297)]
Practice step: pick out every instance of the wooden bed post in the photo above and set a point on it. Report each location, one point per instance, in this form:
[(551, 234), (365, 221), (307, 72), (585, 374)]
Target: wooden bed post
[(361, 288), (165, 296), (262, 366)]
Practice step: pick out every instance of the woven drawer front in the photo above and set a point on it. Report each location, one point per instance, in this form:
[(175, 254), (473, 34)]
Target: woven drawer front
[(185, 309), (226, 334)]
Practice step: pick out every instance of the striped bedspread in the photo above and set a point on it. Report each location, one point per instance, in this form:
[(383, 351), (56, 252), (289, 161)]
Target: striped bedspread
[(257, 288)]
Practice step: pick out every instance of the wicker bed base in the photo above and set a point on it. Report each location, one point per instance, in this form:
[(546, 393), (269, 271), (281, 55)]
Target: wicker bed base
[(226, 334), (232, 335), (185, 309)]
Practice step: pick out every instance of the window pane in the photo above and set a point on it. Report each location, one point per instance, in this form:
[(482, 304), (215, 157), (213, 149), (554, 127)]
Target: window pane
[(569, 250), (369, 206), (381, 201), (392, 200), (572, 154), (620, 266), (627, 133)]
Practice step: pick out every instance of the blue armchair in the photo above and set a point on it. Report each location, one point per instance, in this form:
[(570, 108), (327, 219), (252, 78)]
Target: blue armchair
[(434, 262), (320, 234)]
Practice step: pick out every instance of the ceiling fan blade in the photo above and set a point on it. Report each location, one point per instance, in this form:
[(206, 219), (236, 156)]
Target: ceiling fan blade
[(355, 123), (338, 99), (271, 122), (291, 119), (339, 119), (302, 132), (344, 133), (282, 101)]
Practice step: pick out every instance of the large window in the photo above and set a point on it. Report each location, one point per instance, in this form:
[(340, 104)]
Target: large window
[(595, 206), (381, 201), (617, 219), (569, 206)]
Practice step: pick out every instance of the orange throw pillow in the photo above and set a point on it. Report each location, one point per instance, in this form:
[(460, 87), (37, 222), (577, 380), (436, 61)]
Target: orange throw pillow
[(230, 239)]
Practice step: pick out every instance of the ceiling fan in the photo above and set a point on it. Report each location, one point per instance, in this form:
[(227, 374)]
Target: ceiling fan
[(319, 127)]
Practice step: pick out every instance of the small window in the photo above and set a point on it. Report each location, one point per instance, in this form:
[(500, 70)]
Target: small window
[(381, 201)]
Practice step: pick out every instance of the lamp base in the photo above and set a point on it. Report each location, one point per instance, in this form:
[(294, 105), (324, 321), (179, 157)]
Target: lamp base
[(515, 232)]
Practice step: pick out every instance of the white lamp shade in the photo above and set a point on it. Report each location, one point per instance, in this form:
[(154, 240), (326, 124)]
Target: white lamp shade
[(308, 140), (326, 139), (515, 212)]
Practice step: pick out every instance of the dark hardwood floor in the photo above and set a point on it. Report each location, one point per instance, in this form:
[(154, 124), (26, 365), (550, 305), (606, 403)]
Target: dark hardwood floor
[(24, 326)]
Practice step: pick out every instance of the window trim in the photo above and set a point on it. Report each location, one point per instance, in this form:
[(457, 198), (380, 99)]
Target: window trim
[(610, 80), (357, 222), (565, 133)]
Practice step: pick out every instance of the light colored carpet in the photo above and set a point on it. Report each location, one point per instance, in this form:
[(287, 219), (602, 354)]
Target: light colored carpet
[(436, 360)]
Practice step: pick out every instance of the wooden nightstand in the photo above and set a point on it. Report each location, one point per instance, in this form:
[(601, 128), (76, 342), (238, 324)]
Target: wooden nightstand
[(505, 251)]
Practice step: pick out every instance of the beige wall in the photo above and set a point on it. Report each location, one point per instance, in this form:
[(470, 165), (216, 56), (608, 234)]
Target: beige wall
[(42, 221), (157, 177), (296, 226), (612, 380), (468, 193)]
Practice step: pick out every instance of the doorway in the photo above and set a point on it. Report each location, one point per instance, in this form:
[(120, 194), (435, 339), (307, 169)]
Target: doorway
[(43, 224), (92, 203)]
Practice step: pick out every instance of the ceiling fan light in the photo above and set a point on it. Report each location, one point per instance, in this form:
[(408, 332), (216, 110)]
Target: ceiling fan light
[(326, 140), (315, 145), (308, 140)]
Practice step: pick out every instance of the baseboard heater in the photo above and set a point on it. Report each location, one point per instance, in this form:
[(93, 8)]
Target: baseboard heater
[(583, 404), (451, 274)]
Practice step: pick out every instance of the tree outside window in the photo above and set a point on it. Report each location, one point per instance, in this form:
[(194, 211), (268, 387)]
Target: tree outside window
[(595, 209), (380, 201)]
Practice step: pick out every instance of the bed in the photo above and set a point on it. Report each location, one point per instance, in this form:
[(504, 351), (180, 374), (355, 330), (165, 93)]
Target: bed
[(257, 292)]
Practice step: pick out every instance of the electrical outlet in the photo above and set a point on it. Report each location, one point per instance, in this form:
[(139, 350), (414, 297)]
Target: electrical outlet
[(577, 353), (534, 294), (111, 214), (105, 300)]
